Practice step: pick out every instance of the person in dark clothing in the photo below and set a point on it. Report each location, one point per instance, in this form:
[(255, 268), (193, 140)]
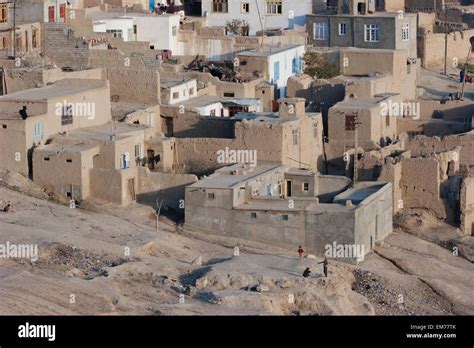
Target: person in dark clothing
[(7, 208), (23, 113), (461, 76), (325, 266), (307, 272)]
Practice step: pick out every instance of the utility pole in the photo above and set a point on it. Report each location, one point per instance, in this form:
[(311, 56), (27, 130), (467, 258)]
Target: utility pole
[(14, 28)]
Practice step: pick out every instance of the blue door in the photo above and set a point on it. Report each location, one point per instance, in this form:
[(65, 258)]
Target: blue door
[(276, 72), (294, 67)]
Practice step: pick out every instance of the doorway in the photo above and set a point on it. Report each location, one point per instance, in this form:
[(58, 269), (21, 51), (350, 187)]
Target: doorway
[(151, 159), (131, 189), (288, 188)]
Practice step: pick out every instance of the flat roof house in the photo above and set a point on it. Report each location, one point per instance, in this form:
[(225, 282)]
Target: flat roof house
[(276, 63), (288, 207), (29, 117), (277, 14), (380, 30), (161, 31)]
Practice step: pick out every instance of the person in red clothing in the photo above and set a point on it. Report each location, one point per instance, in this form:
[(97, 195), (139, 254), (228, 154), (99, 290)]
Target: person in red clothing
[(300, 251)]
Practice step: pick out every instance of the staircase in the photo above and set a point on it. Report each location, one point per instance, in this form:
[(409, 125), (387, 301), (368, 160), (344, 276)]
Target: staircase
[(64, 48)]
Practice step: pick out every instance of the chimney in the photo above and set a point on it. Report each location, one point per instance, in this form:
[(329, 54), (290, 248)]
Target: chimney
[(291, 108)]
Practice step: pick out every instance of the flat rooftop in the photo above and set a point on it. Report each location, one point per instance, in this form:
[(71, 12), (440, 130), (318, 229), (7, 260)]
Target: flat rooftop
[(267, 50), (118, 15), (98, 134), (209, 100), (362, 103), (168, 83), (224, 179), (59, 89), (362, 191)]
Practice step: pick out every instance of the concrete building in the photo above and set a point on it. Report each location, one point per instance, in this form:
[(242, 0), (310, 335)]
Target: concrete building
[(6, 25), (380, 30), (174, 91), (288, 207), (160, 31), (42, 11), (277, 64), (261, 14), (221, 106), (29, 117)]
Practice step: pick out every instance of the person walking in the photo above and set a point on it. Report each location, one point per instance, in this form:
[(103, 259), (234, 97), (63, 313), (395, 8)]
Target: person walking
[(7, 208), (325, 266), (300, 251)]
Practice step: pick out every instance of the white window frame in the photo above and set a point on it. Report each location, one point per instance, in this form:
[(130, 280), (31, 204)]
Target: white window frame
[(342, 25), (273, 7), (320, 31), (371, 32), (405, 31)]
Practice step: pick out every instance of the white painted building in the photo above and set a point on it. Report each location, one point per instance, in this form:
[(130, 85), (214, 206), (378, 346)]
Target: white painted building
[(175, 91), (42, 11), (269, 14), (161, 31), (222, 106), (281, 64)]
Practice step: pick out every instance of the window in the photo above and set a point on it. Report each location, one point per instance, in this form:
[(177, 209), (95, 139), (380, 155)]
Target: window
[(276, 72), (306, 187), (174, 30), (229, 95), (66, 117), (211, 195), (175, 95), (274, 7), (245, 7), (125, 161), (284, 217), (220, 6), (34, 40), (62, 11), (320, 31), (37, 132), (68, 160), (3, 13), (138, 151), (406, 32), (191, 91), (315, 130), (350, 122), (115, 33), (294, 65), (3, 42), (342, 29), (253, 215), (387, 120), (295, 136), (372, 32)]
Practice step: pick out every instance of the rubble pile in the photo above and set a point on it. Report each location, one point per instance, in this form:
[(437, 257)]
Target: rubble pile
[(78, 263)]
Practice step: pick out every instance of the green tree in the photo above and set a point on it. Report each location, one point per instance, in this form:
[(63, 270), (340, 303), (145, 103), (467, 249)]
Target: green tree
[(237, 27), (318, 66)]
